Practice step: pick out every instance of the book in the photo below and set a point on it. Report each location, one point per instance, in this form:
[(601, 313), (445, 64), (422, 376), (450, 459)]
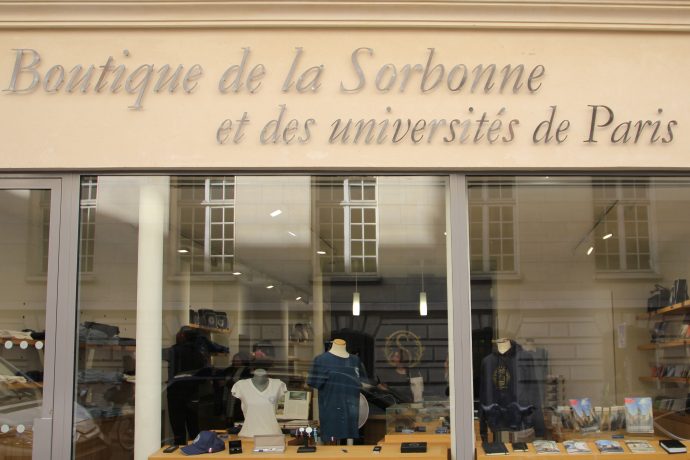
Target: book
[(519, 447), (607, 446), (672, 446), (495, 448), (638, 415), (577, 447), (546, 447), (637, 446), (583, 413)]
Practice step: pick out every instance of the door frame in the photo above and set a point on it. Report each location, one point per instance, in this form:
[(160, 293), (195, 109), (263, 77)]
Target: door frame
[(52, 433)]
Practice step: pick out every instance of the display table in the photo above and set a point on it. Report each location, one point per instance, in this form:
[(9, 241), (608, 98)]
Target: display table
[(429, 438), (660, 454), (434, 452)]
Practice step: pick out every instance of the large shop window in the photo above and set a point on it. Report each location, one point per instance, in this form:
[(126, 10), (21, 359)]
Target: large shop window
[(586, 349), (262, 304)]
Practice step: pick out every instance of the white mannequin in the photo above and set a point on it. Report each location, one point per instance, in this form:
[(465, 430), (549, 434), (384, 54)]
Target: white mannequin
[(503, 345), (339, 348), (259, 396)]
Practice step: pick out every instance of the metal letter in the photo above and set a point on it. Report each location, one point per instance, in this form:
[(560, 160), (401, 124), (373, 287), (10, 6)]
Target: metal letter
[(18, 69), (358, 70), (49, 76)]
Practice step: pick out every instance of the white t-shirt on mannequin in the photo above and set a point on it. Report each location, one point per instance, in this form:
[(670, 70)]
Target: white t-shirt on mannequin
[(259, 407)]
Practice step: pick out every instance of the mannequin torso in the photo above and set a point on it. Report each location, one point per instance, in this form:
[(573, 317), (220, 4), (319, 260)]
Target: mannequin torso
[(503, 346), (260, 379), (259, 397), (339, 348)]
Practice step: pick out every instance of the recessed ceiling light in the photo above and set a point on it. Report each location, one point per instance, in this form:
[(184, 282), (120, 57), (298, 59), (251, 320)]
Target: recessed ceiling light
[(270, 286), (276, 213), (321, 252), (590, 250), (299, 298), (292, 234), (183, 251), (607, 236), (237, 273)]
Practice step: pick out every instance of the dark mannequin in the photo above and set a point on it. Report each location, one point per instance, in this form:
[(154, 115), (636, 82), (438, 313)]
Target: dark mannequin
[(509, 398)]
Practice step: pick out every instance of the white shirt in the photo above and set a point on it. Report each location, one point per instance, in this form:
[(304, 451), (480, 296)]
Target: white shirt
[(259, 407)]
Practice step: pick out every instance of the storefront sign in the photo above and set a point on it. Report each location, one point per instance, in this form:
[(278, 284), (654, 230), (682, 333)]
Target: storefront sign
[(423, 75)]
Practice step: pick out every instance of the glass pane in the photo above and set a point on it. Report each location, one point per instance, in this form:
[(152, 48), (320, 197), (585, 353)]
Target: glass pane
[(24, 241), (570, 337), (276, 306)]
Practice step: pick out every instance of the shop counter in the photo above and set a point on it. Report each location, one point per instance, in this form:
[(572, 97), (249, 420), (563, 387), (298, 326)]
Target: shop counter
[(434, 452)]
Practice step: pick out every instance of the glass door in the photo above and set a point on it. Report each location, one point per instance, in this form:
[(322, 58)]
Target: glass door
[(29, 222)]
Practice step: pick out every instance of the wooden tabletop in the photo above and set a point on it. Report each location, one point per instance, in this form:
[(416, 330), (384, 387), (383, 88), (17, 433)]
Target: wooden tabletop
[(435, 452), (658, 454)]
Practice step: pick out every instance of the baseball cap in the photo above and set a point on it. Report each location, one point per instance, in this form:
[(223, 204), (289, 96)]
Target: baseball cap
[(207, 442)]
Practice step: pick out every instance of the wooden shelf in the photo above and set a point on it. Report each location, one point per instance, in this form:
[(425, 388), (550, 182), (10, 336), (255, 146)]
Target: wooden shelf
[(22, 386), (18, 341), (668, 344), (210, 329), (678, 308), (682, 380), (107, 346)]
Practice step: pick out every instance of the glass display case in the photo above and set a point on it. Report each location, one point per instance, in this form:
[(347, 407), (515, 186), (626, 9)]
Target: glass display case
[(432, 417)]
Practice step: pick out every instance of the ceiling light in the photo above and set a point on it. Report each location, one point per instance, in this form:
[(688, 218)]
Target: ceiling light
[(183, 251), (299, 298), (422, 304), (607, 236), (276, 213), (590, 250), (321, 252), (292, 234), (355, 304), (270, 286), (355, 299), (237, 273)]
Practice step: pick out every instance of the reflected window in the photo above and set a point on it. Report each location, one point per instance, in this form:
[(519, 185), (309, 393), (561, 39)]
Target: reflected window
[(205, 218), (347, 224), (492, 208), (87, 222), (621, 234)]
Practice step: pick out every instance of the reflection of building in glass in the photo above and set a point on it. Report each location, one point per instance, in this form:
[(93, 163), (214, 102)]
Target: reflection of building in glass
[(347, 224), (87, 222), (205, 218), (492, 226), (621, 208)]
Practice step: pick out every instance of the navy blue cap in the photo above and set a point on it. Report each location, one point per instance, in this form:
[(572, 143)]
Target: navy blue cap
[(207, 442)]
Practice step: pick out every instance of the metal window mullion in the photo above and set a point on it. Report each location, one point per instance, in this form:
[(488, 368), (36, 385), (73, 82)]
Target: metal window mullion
[(207, 238), (622, 259), (485, 238), (459, 319), (207, 225), (347, 237)]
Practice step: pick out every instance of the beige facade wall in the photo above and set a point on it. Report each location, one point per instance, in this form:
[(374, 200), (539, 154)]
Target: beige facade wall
[(635, 74)]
